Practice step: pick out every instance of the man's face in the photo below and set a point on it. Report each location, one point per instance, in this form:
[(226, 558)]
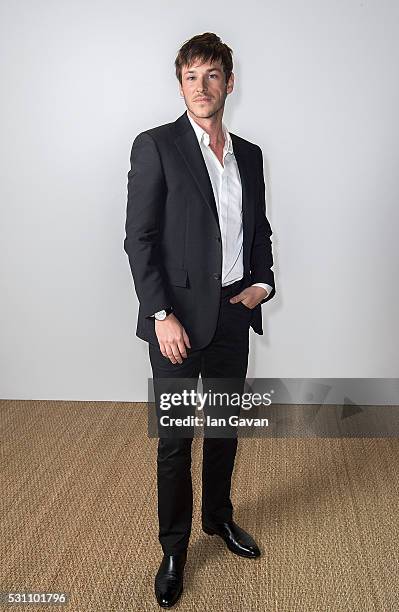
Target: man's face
[(204, 88)]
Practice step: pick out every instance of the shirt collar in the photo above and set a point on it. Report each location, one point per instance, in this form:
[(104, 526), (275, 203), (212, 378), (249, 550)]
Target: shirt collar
[(202, 135)]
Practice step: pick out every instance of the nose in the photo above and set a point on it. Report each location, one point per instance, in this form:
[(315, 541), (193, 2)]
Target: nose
[(202, 87)]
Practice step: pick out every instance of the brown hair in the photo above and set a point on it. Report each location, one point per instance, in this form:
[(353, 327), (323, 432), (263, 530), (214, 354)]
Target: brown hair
[(205, 47)]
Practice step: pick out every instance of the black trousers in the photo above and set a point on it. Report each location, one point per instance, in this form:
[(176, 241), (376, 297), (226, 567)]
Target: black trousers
[(226, 356)]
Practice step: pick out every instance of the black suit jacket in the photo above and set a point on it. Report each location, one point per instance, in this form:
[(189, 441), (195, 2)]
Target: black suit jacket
[(173, 237)]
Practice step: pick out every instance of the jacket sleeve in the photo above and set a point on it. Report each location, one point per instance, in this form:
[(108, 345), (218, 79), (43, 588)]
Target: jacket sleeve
[(144, 216), (261, 253)]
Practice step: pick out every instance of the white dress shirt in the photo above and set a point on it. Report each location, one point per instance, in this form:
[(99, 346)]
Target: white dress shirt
[(226, 185)]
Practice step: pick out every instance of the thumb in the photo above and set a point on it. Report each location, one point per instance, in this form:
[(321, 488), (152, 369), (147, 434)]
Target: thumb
[(236, 298)]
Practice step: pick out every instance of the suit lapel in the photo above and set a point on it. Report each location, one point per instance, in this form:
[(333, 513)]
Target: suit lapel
[(190, 150), (246, 172)]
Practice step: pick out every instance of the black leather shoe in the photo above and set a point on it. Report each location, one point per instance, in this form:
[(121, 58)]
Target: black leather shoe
[(169, 579), (237, 540)]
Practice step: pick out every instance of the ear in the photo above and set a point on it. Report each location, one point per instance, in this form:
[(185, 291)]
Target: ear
[(230, 83)]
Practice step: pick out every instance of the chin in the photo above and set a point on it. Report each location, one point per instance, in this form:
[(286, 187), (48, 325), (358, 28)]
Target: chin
[(203, 112)]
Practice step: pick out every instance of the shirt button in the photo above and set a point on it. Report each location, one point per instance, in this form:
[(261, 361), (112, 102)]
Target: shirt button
[(217, 276)]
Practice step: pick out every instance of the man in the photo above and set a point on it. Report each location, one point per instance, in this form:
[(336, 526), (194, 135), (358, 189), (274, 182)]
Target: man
[(199, 248)]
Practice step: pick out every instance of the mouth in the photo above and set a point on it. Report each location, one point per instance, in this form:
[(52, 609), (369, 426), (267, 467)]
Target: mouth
[(202, 100)]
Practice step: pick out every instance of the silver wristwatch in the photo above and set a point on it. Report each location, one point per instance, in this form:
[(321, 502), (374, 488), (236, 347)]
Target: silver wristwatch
[(162, 314)]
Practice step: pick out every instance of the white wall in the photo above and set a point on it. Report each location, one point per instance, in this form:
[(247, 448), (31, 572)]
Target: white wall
[(316, 88)]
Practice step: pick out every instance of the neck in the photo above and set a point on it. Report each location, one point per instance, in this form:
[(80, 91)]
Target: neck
[(212, 125)]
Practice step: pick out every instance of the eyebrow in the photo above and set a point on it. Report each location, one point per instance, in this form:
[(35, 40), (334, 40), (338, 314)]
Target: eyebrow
[(207, 70)]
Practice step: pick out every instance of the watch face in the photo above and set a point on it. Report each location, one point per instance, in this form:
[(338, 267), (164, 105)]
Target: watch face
[(161, 315)]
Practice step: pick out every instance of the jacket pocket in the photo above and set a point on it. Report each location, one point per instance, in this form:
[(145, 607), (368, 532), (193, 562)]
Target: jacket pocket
[(177, 276)]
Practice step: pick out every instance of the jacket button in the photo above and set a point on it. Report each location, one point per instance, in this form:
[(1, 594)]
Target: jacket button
[(218, 238), (217, 276)]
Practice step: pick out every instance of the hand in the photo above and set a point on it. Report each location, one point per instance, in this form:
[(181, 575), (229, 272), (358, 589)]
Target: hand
[(172, 338), (250, 297)]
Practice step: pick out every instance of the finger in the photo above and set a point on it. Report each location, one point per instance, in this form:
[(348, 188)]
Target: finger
[(170, 354), (186, 338), (162, 349), (182, 348), (236, 298), (176, 353)]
